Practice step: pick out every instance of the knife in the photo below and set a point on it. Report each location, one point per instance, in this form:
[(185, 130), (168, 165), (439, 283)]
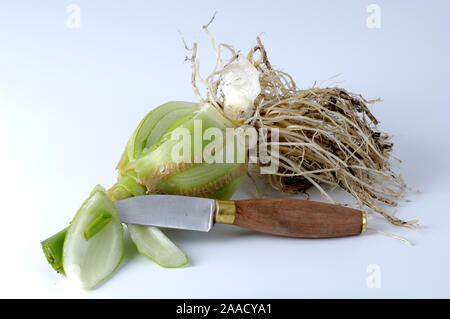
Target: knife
[(284, 217)]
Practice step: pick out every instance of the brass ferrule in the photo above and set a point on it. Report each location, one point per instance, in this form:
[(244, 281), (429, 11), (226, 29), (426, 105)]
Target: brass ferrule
[(364, 222), (225, 212)]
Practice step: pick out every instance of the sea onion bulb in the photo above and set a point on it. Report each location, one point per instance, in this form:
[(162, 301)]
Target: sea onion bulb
[(149, 168)]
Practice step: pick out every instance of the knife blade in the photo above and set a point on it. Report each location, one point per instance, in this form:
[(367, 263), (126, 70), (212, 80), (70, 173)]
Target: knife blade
[(171, 211), (284, 217)]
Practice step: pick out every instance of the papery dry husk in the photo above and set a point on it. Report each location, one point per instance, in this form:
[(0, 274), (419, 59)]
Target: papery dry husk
[(327, 136)]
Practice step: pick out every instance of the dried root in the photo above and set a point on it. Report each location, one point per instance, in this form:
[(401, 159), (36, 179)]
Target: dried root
[(327, 136)]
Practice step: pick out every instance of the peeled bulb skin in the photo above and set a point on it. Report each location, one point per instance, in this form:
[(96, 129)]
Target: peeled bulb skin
[(240, 89)]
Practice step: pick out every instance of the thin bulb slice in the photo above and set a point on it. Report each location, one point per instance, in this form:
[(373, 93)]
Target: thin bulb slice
[(154, 244), (88, 262)]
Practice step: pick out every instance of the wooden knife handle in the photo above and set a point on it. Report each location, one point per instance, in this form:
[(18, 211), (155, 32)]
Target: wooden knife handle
[(292, 217)]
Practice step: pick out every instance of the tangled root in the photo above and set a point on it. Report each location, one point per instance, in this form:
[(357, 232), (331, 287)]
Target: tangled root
[(327, 136)]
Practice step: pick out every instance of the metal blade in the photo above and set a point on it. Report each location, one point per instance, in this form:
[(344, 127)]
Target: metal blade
[(171, 211)]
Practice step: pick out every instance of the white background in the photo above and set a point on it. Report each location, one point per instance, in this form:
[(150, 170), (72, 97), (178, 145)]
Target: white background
[(70, 98)]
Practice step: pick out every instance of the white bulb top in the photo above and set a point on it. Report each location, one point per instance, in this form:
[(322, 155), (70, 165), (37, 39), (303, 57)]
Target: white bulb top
[(240, 89)]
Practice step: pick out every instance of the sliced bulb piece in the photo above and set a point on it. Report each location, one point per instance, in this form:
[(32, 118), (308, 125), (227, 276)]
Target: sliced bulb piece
[(90, 261), (154, 244)]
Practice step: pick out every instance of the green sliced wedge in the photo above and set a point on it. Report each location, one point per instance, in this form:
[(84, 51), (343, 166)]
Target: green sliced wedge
[(154, 244)]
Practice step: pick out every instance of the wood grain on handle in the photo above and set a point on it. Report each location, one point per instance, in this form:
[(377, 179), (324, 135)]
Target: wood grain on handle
[(298, 218)]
